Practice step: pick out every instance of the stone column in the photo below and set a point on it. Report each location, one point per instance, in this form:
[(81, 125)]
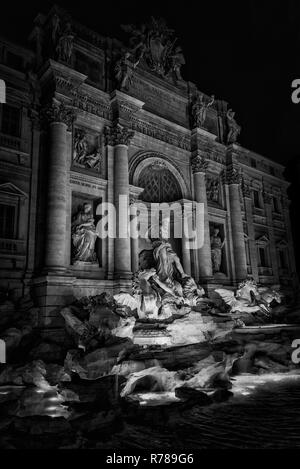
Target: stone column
[(60, 119), (232, 178), (110, 200), (33, 193), (185, 246), (134, 240), (289, 236), (199, 165), (119, 137), (273, 250), (251, 231)]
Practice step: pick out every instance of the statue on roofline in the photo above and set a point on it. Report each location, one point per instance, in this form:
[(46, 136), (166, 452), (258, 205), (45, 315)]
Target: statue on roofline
[(233, 128), (154, 43), (64, 46), (199, 109)]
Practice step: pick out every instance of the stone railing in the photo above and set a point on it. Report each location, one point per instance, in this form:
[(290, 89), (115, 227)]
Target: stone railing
[(265, 271), (10, 142)]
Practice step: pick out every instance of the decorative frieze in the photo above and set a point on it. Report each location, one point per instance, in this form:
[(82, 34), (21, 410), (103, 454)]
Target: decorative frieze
[(93, 106), (151, 130)]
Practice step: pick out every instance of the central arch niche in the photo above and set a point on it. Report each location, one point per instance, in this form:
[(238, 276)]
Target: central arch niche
[(159, 184)]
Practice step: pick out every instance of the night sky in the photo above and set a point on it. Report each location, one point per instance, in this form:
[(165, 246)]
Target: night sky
[(245, 52)]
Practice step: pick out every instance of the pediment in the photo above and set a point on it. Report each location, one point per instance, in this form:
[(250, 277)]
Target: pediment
[(262, 240), (282, 243), (11, 189)]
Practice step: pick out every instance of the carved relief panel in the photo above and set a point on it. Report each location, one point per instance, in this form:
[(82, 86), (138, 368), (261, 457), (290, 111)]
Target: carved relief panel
[(87, 151)]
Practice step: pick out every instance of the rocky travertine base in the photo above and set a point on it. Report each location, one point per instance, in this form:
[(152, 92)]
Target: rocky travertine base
[(81, 391)]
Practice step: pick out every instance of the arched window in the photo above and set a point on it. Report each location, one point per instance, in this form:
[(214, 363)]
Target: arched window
[(159, 184)]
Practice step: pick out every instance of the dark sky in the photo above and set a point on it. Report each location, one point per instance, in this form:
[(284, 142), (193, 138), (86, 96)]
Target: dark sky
[(245, 52)]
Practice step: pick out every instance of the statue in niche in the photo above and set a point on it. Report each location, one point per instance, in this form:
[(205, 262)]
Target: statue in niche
[(199, 109), (85, 154), (64, 46), (233, 128), (213, 190), (216, 244), (84, 235)]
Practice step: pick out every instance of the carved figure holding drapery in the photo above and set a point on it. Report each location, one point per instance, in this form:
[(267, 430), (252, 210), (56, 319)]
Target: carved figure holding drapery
[(64, 46), (233, 128), (216, 250), (85, 154), (199, 109), (84, 235)]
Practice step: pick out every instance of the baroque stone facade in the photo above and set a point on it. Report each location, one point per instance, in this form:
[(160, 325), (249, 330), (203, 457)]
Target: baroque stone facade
[(84, 124)]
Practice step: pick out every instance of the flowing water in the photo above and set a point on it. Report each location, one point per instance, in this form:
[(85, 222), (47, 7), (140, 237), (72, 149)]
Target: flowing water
[(263, 413)]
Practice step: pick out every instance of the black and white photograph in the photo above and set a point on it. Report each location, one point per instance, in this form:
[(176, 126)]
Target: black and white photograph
[(149, 246)]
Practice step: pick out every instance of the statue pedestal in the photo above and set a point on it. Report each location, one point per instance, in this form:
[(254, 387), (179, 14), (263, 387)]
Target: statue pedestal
[(219, 276), (82, 265), (150, 334), (205, 133)]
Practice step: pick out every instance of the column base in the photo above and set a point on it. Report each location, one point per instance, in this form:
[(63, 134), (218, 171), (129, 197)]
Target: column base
[(55, 270), (51, 292), (124, 275)]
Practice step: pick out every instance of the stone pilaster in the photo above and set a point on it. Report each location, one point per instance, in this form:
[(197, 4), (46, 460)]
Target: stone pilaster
[(119, 137), (60, 119), (273, 250), (291, 252), (35, 148), (185, 246), (199, 166), (134, 240), (231, 177), (251, 232), (110, 200)]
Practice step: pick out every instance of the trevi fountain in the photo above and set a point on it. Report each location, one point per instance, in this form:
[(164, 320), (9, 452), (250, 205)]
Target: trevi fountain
[(140, 369)]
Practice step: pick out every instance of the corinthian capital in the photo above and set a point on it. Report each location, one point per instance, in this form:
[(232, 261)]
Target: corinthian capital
[(231, 176), (57, 111), (199, 164), (118, 135)]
